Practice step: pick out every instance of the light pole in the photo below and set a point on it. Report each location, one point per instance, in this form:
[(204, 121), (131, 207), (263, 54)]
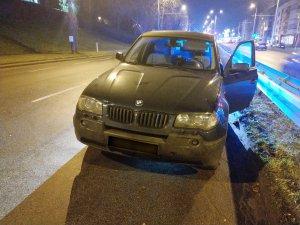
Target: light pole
[(274, 22), (297, 32), (211, 26), (216, 17), (251, 7), (158, 14), (184, 10)]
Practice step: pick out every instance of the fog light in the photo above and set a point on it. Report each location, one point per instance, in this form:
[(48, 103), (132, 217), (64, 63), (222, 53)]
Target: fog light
[(83, 123), (195, 142)]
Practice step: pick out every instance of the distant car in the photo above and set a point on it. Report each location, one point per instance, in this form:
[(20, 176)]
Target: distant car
[(168, 99), (261, 46), (292, 65), (280, 45)]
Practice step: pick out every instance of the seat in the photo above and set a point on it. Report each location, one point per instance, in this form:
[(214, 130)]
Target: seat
[(156, 58)]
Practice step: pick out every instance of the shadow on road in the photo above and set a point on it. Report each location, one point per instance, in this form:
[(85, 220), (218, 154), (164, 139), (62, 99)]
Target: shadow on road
[(244, 168), (244, 165), (112, 189), (152, 166)]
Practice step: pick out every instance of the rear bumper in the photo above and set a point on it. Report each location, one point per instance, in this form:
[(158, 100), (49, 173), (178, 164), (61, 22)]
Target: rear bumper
[(261, 48), (187, 148)]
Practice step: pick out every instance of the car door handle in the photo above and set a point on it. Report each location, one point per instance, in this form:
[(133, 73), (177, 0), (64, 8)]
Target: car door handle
[(253, 81)]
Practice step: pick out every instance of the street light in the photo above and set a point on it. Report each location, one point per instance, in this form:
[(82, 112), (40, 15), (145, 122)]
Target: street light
[(216, 18), (212, 22), (160, 23), (183, 8), (99, 18), (252, 6)]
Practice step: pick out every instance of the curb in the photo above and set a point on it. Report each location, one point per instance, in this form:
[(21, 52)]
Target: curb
[(10, 65)]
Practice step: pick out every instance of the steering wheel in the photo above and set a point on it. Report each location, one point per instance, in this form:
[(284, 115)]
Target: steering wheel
[(195, 63)]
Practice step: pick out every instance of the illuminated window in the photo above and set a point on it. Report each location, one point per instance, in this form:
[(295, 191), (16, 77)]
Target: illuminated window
[(33, 1)]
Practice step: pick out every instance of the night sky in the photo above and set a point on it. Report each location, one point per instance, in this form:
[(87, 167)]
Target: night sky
[(234, 11)]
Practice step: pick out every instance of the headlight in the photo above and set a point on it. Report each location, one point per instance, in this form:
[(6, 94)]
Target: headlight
[(203, 121), (90, 105)]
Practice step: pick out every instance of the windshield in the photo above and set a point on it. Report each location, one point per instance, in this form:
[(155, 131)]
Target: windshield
[(173, 53)]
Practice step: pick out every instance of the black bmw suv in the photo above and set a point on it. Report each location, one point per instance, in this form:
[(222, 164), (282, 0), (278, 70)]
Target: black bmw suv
[(168, 99)]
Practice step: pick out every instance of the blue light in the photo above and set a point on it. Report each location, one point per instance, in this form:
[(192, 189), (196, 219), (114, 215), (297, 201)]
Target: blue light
[(287, 102)]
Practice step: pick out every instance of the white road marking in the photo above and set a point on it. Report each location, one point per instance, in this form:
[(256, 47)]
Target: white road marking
[(102, 59), (58, 93), (81, 63), (31, 71)]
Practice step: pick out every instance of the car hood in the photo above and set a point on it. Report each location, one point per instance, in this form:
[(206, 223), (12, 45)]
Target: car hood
[(160, 89)]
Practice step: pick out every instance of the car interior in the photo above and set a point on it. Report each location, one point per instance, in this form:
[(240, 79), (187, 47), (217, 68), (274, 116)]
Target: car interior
[(163, 52)]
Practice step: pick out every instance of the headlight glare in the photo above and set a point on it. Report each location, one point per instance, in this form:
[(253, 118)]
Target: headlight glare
[(204, 121), (90, 105)]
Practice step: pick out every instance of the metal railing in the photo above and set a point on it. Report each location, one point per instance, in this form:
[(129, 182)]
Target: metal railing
[(282, 89)]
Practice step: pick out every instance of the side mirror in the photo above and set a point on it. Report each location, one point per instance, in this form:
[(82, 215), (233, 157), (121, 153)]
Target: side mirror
[(120, 56), (239, 67)]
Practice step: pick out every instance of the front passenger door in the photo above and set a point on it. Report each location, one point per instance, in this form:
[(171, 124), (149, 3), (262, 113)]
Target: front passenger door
[(240, 77)]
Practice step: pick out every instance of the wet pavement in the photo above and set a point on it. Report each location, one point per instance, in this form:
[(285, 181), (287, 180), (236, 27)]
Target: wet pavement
[(103, 188), (48, 177)]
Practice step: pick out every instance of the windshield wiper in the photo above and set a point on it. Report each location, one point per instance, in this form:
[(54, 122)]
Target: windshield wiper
[(160, 65), (181, 67), (135, 62)]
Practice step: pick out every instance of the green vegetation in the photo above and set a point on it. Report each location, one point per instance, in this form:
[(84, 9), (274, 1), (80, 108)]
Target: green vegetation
[(8, 46), (276, 140), (25, 58), (19, 37)]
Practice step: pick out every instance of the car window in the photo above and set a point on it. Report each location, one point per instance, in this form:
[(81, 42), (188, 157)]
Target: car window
[(243, 54), (173, 53)]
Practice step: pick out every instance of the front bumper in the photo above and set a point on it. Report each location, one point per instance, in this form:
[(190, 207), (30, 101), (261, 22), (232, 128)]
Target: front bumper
[(176, 146)]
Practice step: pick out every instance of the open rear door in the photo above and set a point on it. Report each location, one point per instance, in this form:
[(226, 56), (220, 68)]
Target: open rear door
[(240, 77)]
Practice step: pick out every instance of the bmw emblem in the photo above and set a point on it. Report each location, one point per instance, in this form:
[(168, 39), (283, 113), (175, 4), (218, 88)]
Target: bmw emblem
[(139, 103)]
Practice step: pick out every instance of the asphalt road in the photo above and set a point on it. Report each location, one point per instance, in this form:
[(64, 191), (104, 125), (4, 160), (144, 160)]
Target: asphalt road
[(271, 58), (36, 137), (48, 177), (274, 59)]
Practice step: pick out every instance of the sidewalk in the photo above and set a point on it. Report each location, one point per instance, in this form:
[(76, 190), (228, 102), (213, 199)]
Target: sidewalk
[(8, 61)]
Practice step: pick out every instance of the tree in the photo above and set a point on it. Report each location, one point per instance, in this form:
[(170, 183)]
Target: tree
[(172, 17), (133, 15)]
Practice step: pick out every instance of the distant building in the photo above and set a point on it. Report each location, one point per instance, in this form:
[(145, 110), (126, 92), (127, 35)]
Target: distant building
[(245, 30), (287, 24), (265, 23)]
